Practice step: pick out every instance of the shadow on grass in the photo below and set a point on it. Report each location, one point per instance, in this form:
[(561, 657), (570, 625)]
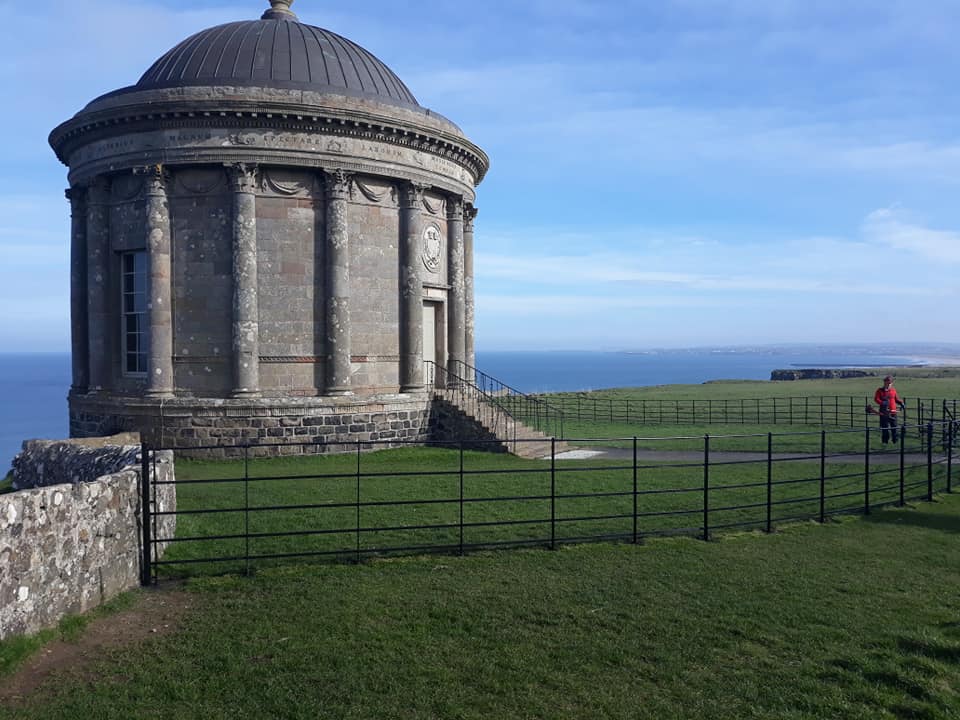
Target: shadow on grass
[(916, 517)]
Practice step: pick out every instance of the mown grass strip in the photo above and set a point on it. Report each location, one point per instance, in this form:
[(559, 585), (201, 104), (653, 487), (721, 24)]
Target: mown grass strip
[(853, 619)]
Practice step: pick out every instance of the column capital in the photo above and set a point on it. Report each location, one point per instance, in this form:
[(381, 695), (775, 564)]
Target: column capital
[(77, 197), (455, 208), (339, 183), (411, 195), (155, 179), (469, 215), (243, 177)]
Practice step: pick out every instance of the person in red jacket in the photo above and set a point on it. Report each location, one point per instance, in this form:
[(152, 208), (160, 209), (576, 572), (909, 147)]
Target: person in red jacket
[(889, 403)]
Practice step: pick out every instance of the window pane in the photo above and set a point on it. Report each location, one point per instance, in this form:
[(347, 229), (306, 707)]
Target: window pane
[(134, 307), (140, 281)]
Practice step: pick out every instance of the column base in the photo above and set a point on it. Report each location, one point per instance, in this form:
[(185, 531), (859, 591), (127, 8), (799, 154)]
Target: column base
[(412, 388), (245, 394), (159, 394), (338, 392)]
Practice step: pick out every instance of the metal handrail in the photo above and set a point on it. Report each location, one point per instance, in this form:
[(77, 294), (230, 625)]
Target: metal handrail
[(508, 402), (532, 411)]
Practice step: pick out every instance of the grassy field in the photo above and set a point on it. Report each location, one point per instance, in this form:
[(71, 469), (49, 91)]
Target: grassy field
[(854, 619), (910, 383)]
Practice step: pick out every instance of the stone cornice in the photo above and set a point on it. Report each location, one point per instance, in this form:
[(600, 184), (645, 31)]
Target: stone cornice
[(90, 126)]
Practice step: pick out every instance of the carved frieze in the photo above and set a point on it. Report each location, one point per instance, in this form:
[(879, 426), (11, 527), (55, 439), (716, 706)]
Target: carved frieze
[(127, 187), (200, 181), (434, 204), (287, 184), (376, 194), (215, 144)]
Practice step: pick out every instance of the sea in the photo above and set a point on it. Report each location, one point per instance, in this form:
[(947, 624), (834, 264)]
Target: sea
[(33, 387)]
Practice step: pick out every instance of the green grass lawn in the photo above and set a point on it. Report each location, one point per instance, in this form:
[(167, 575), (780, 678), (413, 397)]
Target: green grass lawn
[(853, 619)]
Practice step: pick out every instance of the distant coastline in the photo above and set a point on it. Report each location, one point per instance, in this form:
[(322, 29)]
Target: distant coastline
[(35, 385)]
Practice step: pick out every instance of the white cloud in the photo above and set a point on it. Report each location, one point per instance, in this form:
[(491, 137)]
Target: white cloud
[(892, 227)]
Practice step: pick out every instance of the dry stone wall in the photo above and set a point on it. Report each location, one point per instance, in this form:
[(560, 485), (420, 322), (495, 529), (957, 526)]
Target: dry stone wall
[(70, 537)]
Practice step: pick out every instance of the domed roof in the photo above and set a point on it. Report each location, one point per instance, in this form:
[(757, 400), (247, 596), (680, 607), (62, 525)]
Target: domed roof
[(277, 51)]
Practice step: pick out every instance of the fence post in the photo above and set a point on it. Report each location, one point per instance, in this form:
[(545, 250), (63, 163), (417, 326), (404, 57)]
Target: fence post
[(903, 441), (951, 430), (929, 462), (553, 493), (461, 497), (866, 471), (769, 482), (246, 509), (357, 556), (706, 486), (634, 489), (823, 475), (146, 562)]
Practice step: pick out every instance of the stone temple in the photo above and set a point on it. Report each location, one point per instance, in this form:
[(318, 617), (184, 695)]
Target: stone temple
[(271, 239)]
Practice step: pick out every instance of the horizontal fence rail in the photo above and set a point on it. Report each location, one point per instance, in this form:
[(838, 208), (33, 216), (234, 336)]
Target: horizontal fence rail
[(354, 504), (830, 411)]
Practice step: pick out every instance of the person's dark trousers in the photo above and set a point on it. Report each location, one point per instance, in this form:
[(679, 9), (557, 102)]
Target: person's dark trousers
[(888, 428)]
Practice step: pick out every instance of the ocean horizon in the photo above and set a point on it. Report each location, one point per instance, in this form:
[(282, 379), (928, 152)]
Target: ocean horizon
[(35, 385)]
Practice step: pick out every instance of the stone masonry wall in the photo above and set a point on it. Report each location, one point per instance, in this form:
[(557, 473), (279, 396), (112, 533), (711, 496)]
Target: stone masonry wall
[(297, 425), (67, 547)]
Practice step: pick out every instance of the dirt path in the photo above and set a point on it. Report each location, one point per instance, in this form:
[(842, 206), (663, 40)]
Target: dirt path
[(156, 611)]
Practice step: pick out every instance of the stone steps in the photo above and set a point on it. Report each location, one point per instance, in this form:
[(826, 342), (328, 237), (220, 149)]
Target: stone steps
[(514, 436)]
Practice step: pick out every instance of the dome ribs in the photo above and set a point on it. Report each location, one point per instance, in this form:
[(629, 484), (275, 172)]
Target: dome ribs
[(301, 66), (215, 51), (269, 53)]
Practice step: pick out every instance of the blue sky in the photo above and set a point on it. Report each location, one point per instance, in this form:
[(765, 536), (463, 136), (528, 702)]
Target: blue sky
[(665, 173)]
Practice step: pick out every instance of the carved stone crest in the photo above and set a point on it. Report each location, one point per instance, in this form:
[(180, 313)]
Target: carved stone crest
[(432, 254)]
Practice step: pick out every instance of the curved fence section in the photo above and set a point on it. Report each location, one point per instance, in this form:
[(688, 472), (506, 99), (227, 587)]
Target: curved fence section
[(828, 410), (351, 504)]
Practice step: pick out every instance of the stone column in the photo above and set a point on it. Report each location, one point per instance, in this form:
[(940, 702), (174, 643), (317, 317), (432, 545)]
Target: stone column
[(246, 315), (160, 358), (338, 283), (411, 288), (98, 284), (469, 214), (456, 315), (79, 327)]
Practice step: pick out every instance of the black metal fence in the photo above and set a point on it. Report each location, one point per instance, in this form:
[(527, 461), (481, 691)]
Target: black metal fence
[(353, 504), (831, 410)]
